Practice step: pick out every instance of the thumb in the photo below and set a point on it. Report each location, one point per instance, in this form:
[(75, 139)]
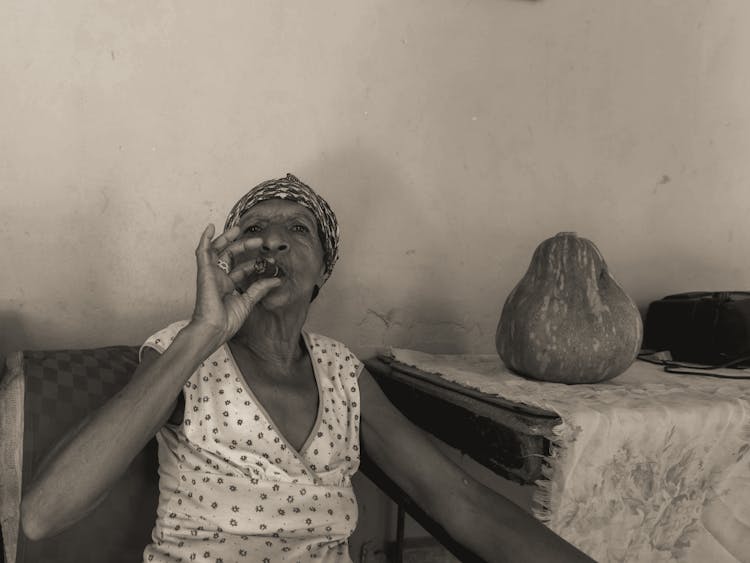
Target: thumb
[(259, 290)]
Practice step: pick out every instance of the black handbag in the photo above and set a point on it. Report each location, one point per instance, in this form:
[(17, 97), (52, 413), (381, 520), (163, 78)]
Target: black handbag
[(710, 329)]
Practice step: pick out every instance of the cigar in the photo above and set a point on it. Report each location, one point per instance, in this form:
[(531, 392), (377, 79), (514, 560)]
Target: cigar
[(262, 268), (265, 269)]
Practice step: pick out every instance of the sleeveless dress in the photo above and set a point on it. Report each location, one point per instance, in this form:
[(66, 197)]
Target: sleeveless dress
[(231, 488)]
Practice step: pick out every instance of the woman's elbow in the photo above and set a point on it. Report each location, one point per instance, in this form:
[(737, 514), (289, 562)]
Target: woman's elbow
[(43, 518), (32, 522)]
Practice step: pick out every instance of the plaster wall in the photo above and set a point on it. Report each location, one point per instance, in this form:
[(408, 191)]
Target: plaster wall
[(450, 138)]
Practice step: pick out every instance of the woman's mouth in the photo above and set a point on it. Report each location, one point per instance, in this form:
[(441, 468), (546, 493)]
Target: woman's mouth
[(268, 268)]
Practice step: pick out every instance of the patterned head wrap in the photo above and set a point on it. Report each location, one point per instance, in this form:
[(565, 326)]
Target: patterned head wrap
[(292, 189)]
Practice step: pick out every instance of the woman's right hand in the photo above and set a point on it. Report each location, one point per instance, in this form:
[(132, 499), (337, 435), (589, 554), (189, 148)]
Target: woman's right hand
[(218, 307)]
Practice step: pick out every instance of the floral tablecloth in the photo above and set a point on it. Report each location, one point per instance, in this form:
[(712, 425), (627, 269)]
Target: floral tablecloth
[(646, 467)]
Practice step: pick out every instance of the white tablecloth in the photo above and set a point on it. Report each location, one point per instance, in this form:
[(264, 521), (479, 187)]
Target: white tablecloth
[(646, 467)]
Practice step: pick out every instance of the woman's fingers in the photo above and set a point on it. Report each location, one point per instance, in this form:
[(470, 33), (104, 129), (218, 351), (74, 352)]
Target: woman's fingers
[(231, 252), (203, 251), (239, 306), (240, 272), (259, 290), (225, 246), (229, 238), (226, 238)]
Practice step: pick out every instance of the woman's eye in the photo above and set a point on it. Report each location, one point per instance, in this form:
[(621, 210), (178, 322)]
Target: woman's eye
[(253, 229), (300, 229)]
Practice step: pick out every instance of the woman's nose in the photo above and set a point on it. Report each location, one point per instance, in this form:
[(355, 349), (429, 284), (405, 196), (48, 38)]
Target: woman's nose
[(274, 242)]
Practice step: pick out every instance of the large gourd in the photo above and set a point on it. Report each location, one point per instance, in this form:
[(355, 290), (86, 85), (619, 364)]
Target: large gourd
[(568, 320)]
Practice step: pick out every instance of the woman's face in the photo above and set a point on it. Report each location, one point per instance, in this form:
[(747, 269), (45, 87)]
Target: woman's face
[(289, 235)]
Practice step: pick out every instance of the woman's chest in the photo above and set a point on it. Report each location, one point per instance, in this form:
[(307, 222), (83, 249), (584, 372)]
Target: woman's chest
[(291, 408), (223, 397), (305, 423)]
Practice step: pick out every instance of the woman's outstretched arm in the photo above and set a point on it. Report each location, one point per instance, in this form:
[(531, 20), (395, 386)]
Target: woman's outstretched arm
[(483, 521)]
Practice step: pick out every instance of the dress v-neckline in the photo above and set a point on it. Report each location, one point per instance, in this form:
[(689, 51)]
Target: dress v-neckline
[(314, 430)]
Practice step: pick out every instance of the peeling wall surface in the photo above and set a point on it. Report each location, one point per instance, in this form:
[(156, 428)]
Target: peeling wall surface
[(450, 138)]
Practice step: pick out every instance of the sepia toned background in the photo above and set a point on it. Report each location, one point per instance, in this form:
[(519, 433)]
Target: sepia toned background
[(450, 137)]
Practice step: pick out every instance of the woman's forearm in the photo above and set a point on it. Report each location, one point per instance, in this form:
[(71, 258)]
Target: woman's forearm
[(87, 463), (498, 530)]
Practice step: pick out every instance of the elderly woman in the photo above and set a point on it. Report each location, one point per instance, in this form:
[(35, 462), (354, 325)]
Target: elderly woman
[(260, 422)]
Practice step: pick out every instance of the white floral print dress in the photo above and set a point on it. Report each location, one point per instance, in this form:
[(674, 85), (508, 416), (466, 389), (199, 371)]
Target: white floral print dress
[(231, 488)]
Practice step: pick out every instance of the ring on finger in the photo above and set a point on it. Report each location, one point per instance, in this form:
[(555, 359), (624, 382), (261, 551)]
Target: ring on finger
[(223, 265), (226, 261)]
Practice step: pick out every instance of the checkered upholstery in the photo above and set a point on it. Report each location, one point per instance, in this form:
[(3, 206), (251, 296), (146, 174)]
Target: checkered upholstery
[(61, 388)]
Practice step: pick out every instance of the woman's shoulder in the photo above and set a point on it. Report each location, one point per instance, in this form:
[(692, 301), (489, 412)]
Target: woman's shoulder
[(333, 352), (326, 343)]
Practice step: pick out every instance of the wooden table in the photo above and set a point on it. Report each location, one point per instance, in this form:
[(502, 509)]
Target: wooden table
[(508, 438)]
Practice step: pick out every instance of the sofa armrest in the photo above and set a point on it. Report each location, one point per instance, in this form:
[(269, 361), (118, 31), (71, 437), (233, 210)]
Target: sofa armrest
[(11, 452)]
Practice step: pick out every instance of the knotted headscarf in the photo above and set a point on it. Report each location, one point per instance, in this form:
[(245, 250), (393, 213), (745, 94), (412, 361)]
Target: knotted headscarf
[(292, 189)]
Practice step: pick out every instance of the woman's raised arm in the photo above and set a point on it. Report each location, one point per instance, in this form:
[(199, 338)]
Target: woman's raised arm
[(77, 474)]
